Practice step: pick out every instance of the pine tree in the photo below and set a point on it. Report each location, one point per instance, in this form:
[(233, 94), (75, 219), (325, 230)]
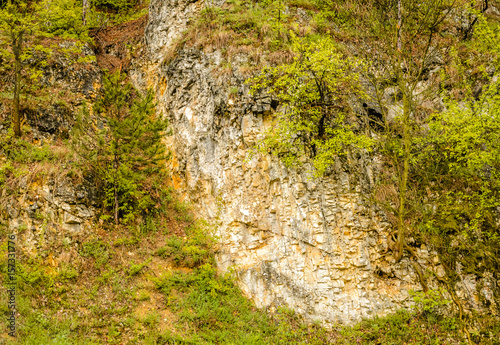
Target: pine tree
[(127, 149), (23, 25), (17, 21)]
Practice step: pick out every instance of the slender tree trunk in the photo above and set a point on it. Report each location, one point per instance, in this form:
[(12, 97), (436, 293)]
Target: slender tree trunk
[(116, 191), (85, 7), (16, 117), (403, 173), (279, 14), (403, 178), (400, 23)]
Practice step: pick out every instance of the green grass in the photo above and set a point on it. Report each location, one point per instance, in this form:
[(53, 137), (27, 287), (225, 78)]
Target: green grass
[(191, 252), (23, 151), (212, 310)]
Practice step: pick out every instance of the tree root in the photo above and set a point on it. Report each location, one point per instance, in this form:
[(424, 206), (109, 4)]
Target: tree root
[(417, 268), (459, 305)]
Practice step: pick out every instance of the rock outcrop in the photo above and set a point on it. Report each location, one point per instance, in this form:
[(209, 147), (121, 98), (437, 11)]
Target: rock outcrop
[(50, 209), (50, 219), (68, 83), (315, 245)]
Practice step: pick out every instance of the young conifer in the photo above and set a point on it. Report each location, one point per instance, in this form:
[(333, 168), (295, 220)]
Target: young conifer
[(127, 149)]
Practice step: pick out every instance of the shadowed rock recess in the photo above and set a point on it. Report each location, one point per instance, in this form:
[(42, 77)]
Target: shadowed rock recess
[(314, 245)]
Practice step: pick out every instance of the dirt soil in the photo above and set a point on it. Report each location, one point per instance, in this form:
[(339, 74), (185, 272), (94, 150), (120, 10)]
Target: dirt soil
[(116, 46)]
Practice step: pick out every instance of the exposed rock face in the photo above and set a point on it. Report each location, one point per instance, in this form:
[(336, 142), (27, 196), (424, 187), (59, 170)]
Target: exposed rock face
[(314, 245), (73, 83), (55, 118), (66, 74), (167, 20), (50, 219)]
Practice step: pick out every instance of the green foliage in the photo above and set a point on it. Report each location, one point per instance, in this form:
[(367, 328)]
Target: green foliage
[(403, 327), (110, 13), (137, 268), (18, 17), (115, 5), (487, 39), (429, 301), (63, 18), (127, 150), (460, 158), (192, 251), (26, 27), (5, 170), (97, 250), (126, 241), (314, 93), (241, 23), (18, 150), (19, 21), (276, 16), (214, 308), (20, 157)]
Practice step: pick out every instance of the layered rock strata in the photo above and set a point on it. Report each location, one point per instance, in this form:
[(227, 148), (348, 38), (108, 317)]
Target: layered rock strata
[(315, 245)]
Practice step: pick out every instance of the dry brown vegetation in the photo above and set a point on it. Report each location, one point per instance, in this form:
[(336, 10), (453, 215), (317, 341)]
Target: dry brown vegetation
[(116, 46)]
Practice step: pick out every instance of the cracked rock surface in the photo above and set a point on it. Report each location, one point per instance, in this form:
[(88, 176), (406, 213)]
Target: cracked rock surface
[(312, 244), (315, 245)]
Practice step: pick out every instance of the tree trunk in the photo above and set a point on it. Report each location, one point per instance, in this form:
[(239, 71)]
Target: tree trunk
[(116, 191), (85, 7), (400, 23), (17, 42), (403, 176)]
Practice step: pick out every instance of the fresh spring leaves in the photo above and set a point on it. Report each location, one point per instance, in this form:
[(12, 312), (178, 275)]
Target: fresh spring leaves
[(316, 92)]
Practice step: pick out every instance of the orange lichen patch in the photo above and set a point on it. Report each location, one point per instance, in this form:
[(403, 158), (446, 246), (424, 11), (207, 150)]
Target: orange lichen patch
[(174, 162), (50, 261), (96, 86), (162, 86)]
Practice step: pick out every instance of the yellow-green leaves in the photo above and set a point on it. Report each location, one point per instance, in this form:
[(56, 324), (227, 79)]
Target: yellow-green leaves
[(315, 92), (63, 18), (469, 132)]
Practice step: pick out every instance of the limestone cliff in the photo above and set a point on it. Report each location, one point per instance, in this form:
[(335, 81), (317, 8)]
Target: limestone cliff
[(315, 245)]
